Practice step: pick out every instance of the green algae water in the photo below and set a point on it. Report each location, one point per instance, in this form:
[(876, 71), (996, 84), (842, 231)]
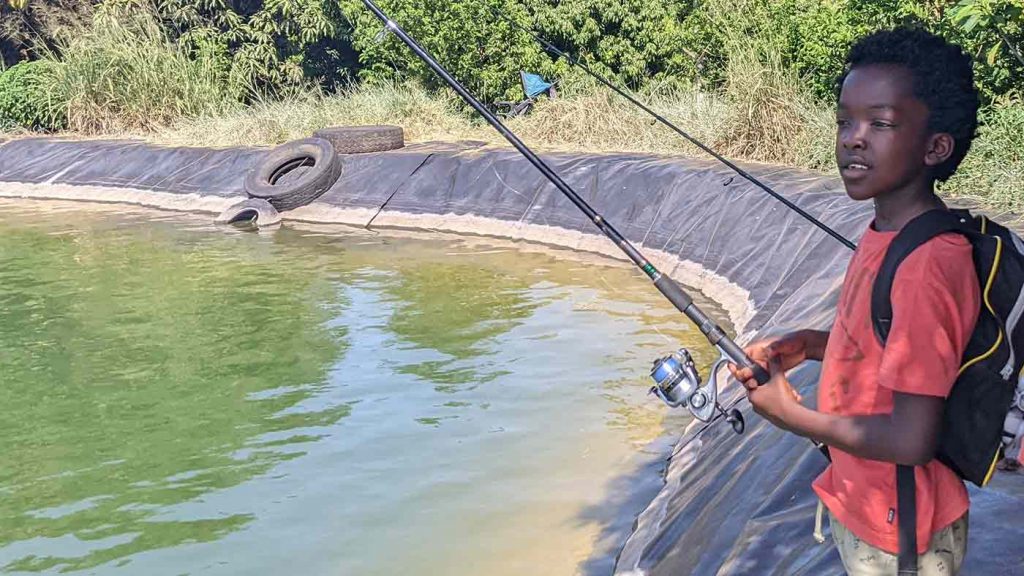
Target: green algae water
[(178, 398)]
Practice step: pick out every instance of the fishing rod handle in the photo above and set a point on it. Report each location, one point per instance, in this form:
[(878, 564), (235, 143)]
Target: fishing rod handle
[(714, 333)]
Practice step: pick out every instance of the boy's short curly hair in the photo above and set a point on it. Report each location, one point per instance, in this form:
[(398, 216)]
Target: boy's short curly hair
[(943, 78)]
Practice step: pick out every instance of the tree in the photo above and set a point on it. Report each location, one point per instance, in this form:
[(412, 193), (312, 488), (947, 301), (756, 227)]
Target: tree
[(266, 43), (995, 30)]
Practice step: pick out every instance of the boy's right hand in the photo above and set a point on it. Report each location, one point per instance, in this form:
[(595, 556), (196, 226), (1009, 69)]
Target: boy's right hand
[(789, 349)]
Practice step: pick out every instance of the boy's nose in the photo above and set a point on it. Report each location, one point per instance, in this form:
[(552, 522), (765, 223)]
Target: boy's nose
[(853, 137)]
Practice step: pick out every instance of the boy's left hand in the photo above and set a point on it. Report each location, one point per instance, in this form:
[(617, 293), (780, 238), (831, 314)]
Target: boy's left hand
[(775, 399)]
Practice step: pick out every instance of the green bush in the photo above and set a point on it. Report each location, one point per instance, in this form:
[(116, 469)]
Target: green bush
[(814, 35), (484, 56), (638, 42), (265, 44), (25, 101)]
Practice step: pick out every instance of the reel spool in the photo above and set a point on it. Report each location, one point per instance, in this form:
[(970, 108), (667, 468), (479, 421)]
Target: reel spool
[(678, 383)]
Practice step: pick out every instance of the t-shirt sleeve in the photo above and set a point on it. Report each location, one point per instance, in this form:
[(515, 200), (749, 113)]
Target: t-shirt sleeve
[(935, 300)]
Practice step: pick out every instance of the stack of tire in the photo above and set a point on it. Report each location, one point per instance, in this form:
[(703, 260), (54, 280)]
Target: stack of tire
[(298, 172)]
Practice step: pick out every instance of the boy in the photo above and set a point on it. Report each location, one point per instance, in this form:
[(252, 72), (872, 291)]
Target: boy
[(907, 113)]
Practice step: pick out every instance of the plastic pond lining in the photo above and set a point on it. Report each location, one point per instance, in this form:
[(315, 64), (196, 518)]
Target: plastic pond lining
[(731, 504)]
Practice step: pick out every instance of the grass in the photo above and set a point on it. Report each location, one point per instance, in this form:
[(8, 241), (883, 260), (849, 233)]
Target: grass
[(122, 73), (268, 122), (993, 171), (582, 118)]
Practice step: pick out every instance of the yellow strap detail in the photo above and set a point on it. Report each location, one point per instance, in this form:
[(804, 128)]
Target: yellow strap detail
[(991, 468), (999, 337), (988, 304)]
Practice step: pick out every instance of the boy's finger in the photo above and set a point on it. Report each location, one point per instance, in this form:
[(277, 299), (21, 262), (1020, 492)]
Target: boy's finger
[(743, 374)]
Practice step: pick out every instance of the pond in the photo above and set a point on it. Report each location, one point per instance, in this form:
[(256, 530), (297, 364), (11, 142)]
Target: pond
[(179, 398)]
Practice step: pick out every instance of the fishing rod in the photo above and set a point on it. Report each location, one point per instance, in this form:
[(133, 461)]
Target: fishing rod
[(576, 62), (677, 381)]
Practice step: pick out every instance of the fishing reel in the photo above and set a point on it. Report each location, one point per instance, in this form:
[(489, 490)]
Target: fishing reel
[(678, 383)]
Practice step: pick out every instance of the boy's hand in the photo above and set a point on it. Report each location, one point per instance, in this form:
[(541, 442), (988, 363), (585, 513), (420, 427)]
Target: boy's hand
[(790, 349), (776, 398)]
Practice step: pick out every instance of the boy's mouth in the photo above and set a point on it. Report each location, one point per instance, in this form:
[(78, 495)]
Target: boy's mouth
[(854, 168)]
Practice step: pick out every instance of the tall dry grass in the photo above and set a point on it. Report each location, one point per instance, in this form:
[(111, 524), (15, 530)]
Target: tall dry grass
[(993, 171), (122, 73), (586, 119), (423, 115)]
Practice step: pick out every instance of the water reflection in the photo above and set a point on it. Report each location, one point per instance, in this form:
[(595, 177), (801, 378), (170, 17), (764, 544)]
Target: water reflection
[(475, 304), (135, 369)]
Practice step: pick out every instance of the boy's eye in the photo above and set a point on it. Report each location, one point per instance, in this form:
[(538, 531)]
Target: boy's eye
[(882, 124), (842, 122)]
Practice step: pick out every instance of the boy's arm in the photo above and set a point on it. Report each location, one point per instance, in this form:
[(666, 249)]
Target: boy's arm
[(936, 289), (909, 435)]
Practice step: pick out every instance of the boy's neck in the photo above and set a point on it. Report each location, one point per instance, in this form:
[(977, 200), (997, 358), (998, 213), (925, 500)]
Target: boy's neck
[(894, 210)]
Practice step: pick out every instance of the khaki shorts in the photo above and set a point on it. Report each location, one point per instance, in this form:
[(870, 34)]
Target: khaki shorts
[(944, 556)]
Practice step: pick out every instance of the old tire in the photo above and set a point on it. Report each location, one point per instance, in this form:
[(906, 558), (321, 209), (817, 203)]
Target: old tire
[(259, 212), (362, 139), (294, 174)]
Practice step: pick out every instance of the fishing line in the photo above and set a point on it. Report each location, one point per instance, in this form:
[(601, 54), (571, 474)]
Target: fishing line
[(621, 92), (395, 191)]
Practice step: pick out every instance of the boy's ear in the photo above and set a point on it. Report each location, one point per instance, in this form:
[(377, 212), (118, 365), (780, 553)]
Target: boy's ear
[(940, 148)]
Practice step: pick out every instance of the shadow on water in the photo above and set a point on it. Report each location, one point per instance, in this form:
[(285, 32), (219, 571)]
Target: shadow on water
[(629, 492), (141, 372)]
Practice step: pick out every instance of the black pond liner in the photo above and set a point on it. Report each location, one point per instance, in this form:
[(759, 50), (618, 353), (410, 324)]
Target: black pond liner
[(731, 505)]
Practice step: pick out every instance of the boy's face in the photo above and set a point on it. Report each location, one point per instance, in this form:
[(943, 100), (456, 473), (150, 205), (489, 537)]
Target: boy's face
[(882, 137)]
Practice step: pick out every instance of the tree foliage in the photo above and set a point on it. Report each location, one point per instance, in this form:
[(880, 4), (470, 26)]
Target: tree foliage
[(649, 43), (636, 41), (994, 31), (265, 44)]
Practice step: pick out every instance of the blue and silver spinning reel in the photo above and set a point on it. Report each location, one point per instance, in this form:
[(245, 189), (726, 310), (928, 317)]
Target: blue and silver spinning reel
[(678, 383)]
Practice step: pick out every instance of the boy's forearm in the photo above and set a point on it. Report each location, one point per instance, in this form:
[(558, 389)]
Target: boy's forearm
[(877, 437), (819, 339)]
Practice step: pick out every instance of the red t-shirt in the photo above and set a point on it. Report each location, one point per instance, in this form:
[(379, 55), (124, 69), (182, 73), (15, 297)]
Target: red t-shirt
[(935, 300)]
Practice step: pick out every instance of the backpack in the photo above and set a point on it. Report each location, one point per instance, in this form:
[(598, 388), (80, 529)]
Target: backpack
[(978, 408)]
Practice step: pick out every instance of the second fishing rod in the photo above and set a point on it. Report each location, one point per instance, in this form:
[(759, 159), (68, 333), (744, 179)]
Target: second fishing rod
[(554, 50), (676, 377)]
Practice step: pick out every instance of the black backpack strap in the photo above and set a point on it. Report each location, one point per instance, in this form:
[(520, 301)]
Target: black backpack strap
[(916, 232), (906, 506)]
